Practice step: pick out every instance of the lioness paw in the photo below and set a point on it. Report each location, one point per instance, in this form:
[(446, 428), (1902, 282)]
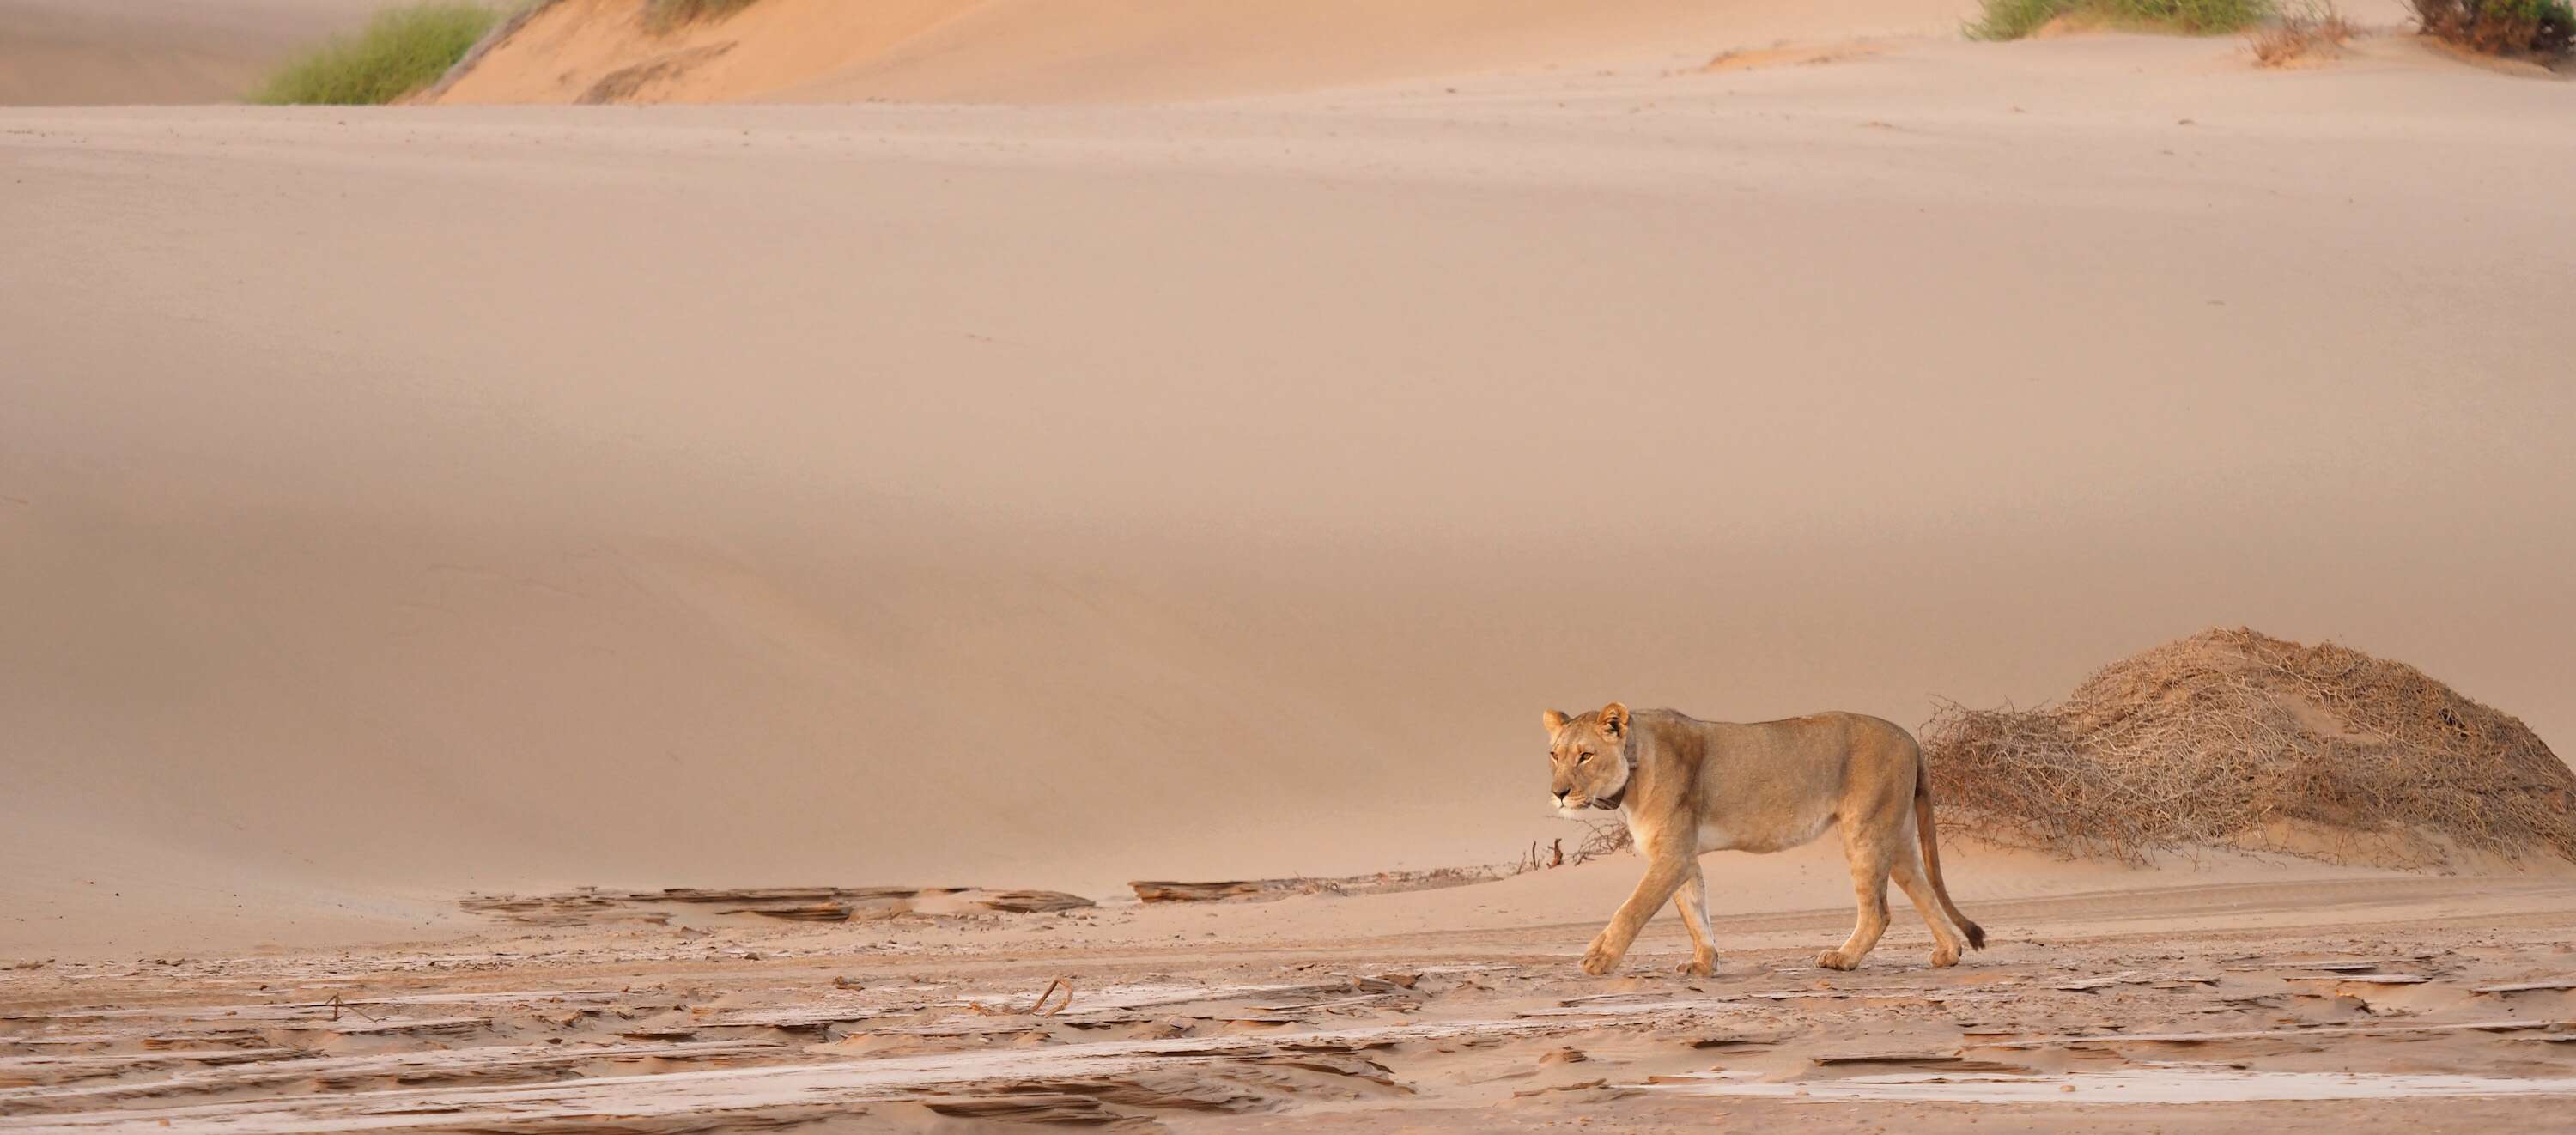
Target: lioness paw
[(1599, 960), (1945, 956), (1834, 959), (1698, 967)]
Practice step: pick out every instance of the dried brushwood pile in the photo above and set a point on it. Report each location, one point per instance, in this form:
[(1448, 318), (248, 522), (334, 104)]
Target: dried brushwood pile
[(2232, 738)]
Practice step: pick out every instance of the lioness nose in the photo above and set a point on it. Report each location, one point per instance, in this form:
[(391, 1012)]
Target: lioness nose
[(1560, 794)]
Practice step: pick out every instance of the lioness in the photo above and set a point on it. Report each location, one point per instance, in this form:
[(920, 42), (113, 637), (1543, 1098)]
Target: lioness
[(1686, 787)]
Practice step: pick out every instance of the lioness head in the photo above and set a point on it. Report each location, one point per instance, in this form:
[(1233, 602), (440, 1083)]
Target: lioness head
[(1588, 755)]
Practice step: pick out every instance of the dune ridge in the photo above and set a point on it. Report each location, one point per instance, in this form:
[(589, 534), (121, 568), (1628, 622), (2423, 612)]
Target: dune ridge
[(1112, 51)]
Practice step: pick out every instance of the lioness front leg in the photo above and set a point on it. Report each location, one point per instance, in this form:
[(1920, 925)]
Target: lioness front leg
[(1663, 874)]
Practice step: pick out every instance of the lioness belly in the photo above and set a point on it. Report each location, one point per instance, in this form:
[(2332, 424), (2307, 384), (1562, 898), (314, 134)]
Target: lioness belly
[(1720, 833)]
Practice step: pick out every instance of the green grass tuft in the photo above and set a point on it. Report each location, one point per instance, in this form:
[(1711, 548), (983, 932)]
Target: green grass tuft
[(400, 51), (667, 14), (2013, 19)]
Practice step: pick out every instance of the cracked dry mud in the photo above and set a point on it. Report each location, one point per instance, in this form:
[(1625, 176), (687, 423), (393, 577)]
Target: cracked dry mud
[(2381, 1003)]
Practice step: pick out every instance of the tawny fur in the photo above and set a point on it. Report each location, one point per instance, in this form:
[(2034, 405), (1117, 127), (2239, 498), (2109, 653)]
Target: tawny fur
[(1702, 786)]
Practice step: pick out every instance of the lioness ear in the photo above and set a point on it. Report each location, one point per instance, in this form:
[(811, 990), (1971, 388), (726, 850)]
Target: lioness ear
[(1555, 719), (1614, 719)]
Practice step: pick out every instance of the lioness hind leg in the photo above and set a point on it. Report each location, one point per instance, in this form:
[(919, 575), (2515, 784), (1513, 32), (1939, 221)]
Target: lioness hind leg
[(1692, 901), (1908, 873), (1869, 867)]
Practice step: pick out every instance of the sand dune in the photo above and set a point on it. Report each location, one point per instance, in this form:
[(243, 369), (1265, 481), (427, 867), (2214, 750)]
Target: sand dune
[(62, 52), (435, 499), (445, 498), (1121, 50), (401, 503), (1054, 51)]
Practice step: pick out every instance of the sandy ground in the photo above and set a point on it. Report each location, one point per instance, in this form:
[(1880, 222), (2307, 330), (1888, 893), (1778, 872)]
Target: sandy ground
[(2262, 993), (405, 502), (58, 52)]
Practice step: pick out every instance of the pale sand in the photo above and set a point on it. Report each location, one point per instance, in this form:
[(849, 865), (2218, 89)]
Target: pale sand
[(401, 502), (55, 52), (2265, 995)]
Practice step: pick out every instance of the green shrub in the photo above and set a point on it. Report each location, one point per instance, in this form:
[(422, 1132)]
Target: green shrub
[(400, 51), (2013, 19), (2501, 27)]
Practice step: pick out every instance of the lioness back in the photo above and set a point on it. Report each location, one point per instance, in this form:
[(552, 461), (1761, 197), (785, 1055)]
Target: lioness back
[(1773, 785)]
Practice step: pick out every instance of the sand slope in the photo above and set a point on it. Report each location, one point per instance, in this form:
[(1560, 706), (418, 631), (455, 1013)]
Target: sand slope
[(1054, 51), (1122, 50), (406, 501), (155, 51)]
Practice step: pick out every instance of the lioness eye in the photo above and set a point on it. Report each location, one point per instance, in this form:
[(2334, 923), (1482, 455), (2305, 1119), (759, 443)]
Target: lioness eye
[(1585, 757)]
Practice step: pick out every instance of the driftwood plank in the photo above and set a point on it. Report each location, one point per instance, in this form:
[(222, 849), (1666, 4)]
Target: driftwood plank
[(2528, 986), (802, 904), (1383, 882), (2269, 1034)]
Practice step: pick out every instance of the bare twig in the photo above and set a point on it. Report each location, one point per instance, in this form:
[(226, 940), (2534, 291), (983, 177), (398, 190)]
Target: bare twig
[(2306, 28), (336, 1005), (1036, 1008), (1601, 840)]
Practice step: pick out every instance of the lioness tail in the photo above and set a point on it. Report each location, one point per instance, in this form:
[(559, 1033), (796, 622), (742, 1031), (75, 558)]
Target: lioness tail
[(1932, 854)]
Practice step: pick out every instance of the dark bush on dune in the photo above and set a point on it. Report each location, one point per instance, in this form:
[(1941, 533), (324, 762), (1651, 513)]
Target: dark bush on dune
[(2501, 27), (2235, 739)]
